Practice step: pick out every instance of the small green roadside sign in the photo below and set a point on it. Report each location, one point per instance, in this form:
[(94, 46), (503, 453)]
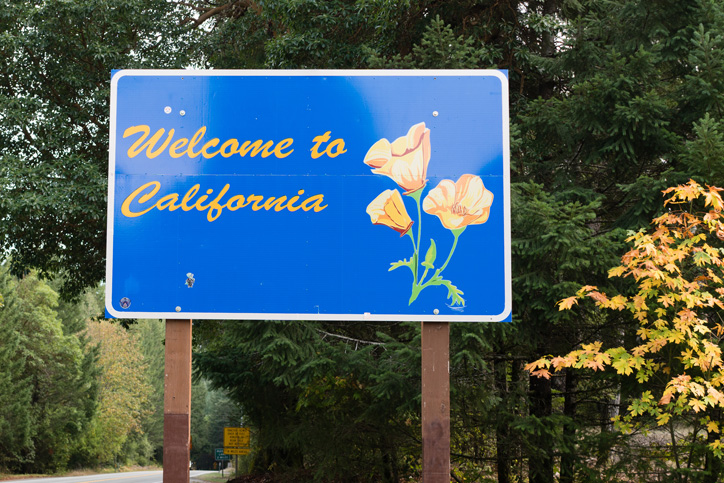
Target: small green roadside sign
[(220, 456)]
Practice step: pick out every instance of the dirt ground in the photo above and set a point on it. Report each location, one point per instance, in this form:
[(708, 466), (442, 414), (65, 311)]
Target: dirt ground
[(254, 479)]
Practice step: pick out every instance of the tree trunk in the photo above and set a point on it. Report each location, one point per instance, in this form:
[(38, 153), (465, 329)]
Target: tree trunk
[(713, 464), (548, 49), (389, 461), (502, 433), (608, 411), (540, 457), (568, 457)]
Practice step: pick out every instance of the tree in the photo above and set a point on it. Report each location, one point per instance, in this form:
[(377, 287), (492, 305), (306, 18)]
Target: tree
[(123, 390), (611, 101), (149, 336), (604, 96), (16, 424), (56, 61), (211, 412), (607, 129), (320, 402), (49, 374), (678, 305)]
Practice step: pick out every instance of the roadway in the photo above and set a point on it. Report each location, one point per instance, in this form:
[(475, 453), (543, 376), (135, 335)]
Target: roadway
[(131, 477)]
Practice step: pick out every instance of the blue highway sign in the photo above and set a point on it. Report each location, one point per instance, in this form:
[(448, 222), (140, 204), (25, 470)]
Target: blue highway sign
[(309, 195)]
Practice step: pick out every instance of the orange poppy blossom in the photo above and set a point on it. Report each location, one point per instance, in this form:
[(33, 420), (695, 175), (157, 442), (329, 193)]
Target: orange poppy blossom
[(388, 209), (404, 160), (459, 204)]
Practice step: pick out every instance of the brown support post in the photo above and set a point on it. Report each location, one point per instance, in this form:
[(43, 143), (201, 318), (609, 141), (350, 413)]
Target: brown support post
[(177, 402), (436, 402)]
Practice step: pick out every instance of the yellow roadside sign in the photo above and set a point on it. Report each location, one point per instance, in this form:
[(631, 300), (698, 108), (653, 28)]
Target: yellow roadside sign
[(236, 438), (241, 451)]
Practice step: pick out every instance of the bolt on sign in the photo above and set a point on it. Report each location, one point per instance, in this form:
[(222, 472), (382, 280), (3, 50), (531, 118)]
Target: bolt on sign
[(309, 195)]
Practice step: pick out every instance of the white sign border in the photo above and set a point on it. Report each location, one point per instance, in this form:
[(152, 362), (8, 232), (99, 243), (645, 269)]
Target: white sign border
[(117, 75)]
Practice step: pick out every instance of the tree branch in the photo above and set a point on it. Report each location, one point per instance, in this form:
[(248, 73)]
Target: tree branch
[(246, 4), (358, 341)]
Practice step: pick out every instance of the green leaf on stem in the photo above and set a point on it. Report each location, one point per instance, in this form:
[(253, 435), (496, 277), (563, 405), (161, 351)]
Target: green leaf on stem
[(402, 263), (430, 255), (454, 293)]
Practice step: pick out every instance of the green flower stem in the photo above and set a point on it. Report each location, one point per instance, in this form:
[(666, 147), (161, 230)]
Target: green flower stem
[(416, 289), (424, 274), (412, 237), (456, 234), (416, 195), (436, 279), (414, 259)]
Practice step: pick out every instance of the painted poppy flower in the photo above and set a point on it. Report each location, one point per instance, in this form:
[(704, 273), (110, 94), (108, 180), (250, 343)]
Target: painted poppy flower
[(388, 209), (459, 204), (404, 160)]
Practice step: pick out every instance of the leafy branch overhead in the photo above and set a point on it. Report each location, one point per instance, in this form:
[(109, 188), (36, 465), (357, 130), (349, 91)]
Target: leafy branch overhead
[(677, 269)]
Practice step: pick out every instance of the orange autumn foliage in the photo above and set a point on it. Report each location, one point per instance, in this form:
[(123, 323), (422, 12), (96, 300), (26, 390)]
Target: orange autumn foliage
[(678, 271)]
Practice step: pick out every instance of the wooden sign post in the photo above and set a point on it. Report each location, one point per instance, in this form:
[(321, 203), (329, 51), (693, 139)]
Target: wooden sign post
[(177, 402), (435, 402), (185, 123)]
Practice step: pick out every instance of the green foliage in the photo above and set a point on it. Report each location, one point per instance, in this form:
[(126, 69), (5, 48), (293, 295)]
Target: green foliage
[(676, 359), (150, 336), (608, 106), (611, 101), (56, 59), (300, 34), (704, 155), (16, 424), (48, 391), (555, 240), (211, 412), (123, 390), (440, 48), (320, 400)]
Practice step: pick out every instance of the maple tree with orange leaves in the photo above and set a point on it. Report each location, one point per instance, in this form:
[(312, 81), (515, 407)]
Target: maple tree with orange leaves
[(678, 270)]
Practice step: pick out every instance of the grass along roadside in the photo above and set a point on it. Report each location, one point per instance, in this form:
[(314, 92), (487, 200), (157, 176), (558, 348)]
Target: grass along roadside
[(84, 472), (215, 477)]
